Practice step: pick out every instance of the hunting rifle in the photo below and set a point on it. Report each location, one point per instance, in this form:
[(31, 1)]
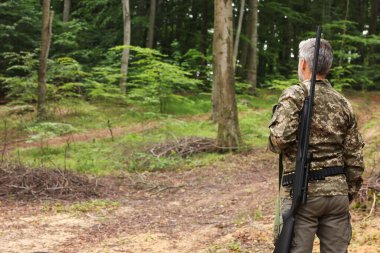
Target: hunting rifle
[(303, 161)]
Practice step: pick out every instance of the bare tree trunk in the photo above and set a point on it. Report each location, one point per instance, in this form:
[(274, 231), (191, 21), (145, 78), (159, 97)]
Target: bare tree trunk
[(204, 36), (47, 20), (238, 31), (252, 68), (152, 18), (245, 46), (326, 15), (66, 10), (344, 31), (126, 43), (224, 89), (375, 4)]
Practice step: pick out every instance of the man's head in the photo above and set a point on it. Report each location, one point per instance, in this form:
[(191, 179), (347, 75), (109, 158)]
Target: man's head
[(306, 56)]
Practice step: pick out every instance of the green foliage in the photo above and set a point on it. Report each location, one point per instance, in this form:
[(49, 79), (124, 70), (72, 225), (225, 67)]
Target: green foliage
[(19, 81), (199, 65), (128, 151), (280, 83), (281, 9), (66, 78), (351, 67), (65, 70), (341, 77), (20, 89), (152, 80), (19, 26), (283, 84), (47, 130), (66, 38), (188, 105), (241, 87), (103, 92)]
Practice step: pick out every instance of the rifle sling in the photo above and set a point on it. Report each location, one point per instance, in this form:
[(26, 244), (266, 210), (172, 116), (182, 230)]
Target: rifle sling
[(315, 175), (280, 170)]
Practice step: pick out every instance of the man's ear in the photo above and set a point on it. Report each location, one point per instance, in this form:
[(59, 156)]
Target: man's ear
[(304, 65)]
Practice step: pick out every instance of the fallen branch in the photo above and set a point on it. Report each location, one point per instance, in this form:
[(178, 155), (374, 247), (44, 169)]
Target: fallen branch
[(20, 182), (164, 188), (373, 206), (184, 147)]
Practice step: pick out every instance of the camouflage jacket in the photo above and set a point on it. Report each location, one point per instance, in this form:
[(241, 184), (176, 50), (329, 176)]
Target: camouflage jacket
[(334, 137)]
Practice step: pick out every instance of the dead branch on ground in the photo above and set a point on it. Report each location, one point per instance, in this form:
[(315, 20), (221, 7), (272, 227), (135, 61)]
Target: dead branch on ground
[(184, 147), (20, 182)]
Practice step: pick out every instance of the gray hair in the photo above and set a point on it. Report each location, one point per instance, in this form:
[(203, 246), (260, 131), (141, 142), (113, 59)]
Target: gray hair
[(306, 51)]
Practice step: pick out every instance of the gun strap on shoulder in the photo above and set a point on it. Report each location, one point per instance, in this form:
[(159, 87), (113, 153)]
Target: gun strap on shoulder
[(314, 175), (280, 170)]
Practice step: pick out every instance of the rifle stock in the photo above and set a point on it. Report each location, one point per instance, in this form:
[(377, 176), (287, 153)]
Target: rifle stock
[(303, 162), (285, 238)]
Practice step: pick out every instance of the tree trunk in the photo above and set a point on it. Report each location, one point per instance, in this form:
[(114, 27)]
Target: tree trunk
[(47, 20), (245, 46), (126, 43), (238, 31), (204, 39), (224, 102), (152, 19), (66, 10), (252, 67), (374, 13), (344, 32), (326, 17)]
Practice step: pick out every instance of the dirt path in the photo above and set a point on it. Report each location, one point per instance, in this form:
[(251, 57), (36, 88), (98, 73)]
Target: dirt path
[(191, 211), (226, 207)]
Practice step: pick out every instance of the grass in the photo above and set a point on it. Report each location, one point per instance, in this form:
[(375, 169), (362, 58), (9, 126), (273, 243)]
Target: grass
[(231, 246), (89, 206), (103, 156), (96, 205), (127, 152)]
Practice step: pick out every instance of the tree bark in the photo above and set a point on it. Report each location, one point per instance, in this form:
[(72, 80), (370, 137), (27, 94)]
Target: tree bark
[(152, 19), (344, 31), (126, 43), (66, 10), (204, 38), (238, 31), (47, 20), (252, 67), (224, 101), (245, 46), (375, 4), (326, 17)]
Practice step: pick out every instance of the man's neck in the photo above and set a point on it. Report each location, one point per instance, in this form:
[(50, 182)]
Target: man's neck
[(318, 77)]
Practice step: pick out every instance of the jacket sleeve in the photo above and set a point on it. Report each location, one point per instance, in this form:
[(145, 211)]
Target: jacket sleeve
[(353, 157), (284, 124)]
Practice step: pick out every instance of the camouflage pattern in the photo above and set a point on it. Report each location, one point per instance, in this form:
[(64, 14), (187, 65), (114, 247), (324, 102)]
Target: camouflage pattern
[(334, 137)]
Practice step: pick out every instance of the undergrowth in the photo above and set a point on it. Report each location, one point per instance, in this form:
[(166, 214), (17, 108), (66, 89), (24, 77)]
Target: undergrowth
[(128, 152)]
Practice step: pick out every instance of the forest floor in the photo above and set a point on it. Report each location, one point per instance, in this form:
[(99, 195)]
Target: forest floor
[(223, 206)]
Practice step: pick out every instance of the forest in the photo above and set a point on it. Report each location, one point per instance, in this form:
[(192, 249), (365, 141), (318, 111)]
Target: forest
[(142, 125)]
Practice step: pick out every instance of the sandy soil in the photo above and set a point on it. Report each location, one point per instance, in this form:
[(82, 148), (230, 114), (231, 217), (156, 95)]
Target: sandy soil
[(226, 207)]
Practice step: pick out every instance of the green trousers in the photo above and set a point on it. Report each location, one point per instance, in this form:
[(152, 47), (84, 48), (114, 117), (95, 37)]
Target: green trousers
[(328, 218)]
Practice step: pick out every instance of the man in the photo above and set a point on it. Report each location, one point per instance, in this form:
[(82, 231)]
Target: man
[(337, 149)]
